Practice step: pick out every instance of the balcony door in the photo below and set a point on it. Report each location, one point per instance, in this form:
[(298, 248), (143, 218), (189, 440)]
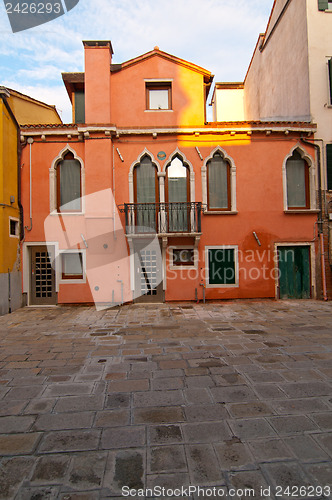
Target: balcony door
[(146, 196), (178, 196)]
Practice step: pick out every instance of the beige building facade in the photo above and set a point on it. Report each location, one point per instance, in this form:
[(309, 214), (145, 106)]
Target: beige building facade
[(290, 78)]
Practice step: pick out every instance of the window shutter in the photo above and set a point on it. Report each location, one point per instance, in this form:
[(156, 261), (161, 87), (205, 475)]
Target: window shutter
[(323, 4), (329, 166), (330, 78), (222, 266), (79, 107)]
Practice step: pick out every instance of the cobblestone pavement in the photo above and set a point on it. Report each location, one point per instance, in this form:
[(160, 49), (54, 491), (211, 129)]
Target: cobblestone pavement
[(231, 395)]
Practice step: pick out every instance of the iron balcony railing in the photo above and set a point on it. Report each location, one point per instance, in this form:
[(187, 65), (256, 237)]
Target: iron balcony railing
[(163, 218)]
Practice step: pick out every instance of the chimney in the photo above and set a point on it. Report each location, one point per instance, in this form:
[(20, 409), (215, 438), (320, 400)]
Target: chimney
[(98, 59)]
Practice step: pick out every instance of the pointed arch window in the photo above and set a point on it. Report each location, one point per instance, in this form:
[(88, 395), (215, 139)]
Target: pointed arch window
[(298, 182), (69, 181), (218, 183), (178, 195), (146, 194)]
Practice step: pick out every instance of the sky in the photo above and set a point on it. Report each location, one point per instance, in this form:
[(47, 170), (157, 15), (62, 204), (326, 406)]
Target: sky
[(219, 35)]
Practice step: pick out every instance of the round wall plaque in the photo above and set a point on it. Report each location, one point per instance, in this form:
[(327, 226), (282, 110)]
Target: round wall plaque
[(161, 155)]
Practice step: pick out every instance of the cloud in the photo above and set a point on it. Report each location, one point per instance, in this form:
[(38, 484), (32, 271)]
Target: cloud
[(56, 96), (219, 35)]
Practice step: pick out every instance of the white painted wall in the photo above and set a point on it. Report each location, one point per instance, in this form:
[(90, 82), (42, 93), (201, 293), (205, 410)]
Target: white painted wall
[(228, 105), (320, 50)]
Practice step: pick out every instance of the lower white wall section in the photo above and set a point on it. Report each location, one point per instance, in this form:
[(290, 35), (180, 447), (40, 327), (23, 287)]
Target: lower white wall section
[(10, 292)]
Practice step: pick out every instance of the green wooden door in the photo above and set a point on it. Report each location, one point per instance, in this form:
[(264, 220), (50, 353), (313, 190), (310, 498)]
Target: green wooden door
[(294, 272)]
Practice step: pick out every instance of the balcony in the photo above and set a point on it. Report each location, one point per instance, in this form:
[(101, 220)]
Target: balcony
[(162, 218)]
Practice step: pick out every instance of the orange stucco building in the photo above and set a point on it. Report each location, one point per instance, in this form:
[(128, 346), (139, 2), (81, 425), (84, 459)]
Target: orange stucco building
[(142, 199)]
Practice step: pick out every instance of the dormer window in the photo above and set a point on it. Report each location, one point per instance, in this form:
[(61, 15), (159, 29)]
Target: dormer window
[(158, 95)]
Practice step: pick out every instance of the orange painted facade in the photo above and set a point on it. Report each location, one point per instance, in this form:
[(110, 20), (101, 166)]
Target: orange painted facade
[(118, 135)]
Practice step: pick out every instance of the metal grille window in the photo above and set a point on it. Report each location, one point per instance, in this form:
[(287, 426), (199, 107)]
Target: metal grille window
[(149, 282), (43, 275)]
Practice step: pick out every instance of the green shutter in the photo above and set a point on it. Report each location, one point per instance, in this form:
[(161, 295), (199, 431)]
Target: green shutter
[(222, 266), (79, 107), (330, 78), (329, 166), (323, 4)]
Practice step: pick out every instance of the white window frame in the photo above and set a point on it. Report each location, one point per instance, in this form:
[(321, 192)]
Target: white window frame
[(312, 182), (71, 281), (159, 81), (204, 168), (53, 182), (17, 226), (236, 266)]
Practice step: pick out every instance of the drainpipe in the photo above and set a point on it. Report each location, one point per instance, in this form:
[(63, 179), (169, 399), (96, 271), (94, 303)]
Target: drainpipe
[(30, 141), (202, 284), (113, 192), (320, 221)]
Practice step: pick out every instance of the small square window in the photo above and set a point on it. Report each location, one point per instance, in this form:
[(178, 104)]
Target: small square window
[(183, 257), (158, 96), (72, 265), (13, 227)]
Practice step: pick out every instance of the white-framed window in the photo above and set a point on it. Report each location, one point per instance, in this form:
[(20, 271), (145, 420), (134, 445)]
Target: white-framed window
[(14, 227), (222, 266), (67, 183), (158, 95), (72, 266), (183, 257), (219, 183), (299, 181)]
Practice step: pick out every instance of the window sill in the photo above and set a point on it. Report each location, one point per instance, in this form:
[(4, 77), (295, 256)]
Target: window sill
[(299, 211), (220, 212), (183, 268), (236, 285), (158, 110), (72, 281), (66, 213)]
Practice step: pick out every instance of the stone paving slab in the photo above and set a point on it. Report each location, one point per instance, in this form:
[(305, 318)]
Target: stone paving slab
[(235, 396)]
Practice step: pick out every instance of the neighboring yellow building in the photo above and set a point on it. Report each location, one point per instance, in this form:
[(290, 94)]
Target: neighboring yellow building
[(15, 109), (29, 111), (10, 279)]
